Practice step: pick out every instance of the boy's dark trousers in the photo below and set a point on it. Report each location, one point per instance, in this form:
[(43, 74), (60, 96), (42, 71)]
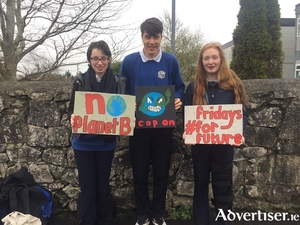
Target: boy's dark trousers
[(150, 146)]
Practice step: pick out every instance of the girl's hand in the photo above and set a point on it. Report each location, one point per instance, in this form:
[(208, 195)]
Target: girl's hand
[(72, 120), (242, 142), (183, 137)]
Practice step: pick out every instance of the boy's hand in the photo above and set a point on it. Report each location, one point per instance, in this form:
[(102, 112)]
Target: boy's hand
[(178, 103)]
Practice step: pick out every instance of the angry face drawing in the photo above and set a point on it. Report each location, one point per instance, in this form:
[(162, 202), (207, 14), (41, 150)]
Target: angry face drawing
[(154, 103)]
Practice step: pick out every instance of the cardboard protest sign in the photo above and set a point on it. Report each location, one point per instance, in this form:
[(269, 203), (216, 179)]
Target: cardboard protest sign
[(213, 124), (103, 113), (155, 107)]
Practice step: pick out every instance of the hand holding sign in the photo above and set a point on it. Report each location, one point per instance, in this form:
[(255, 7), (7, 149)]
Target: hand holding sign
[(178, 103)]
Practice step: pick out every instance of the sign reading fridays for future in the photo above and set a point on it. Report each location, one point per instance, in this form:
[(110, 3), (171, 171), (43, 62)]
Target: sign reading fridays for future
[(213, 124), (103, 113)]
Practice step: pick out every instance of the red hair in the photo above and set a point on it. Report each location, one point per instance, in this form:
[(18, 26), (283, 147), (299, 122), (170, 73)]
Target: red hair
[(227, 78)]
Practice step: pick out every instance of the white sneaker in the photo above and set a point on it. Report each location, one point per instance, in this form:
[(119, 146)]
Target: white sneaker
[(142, 222), (159, 221)]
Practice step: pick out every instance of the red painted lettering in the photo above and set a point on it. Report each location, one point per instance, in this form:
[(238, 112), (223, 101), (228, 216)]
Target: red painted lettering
[(206, 138), (218, 114), (198, 138), (89, 99), (171, 122), (125, 126), (140, 123), (84, 129), (238, 139), (218, 138), (167, 123), (199, 112), (77, 123)]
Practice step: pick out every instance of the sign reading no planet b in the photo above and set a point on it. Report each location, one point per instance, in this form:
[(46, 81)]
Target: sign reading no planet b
[(213, 124), (103, 113), (155, 106)]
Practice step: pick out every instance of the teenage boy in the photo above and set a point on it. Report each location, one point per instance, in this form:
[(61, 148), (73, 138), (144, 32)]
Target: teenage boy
[(151, 67)]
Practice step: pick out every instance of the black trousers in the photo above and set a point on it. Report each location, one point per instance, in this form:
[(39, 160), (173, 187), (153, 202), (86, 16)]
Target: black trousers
[(150, 146), (217, 161), (95, 202)]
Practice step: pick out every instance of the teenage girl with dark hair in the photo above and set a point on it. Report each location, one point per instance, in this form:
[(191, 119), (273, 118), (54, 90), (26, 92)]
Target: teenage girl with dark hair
[(94, 153)]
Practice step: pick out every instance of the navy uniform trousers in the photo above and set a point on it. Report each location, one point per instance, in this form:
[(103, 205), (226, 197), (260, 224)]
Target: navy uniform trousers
[(217, 161), (95, 203), (150, 146)]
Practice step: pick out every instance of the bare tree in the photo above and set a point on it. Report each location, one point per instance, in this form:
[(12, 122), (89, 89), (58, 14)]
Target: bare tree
[(187, 45), (62, 27)]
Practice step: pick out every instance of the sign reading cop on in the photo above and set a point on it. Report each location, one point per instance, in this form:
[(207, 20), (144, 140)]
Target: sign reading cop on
[(103, 113), (213, 124), (155, 106)]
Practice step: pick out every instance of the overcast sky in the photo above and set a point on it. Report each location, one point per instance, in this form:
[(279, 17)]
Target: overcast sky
[(215, 18)]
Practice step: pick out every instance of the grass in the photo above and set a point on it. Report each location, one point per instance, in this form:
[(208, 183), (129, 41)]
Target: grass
[(182, 212), (124, 214)]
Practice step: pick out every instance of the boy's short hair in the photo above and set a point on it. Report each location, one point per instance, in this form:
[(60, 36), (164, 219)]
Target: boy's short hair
[(152, 26)]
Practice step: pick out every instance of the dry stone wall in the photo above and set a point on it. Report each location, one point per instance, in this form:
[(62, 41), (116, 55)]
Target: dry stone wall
[(35, 133)]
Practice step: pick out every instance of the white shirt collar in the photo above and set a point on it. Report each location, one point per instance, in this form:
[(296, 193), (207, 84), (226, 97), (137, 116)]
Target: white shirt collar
[(98, 78), (145, 59)]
